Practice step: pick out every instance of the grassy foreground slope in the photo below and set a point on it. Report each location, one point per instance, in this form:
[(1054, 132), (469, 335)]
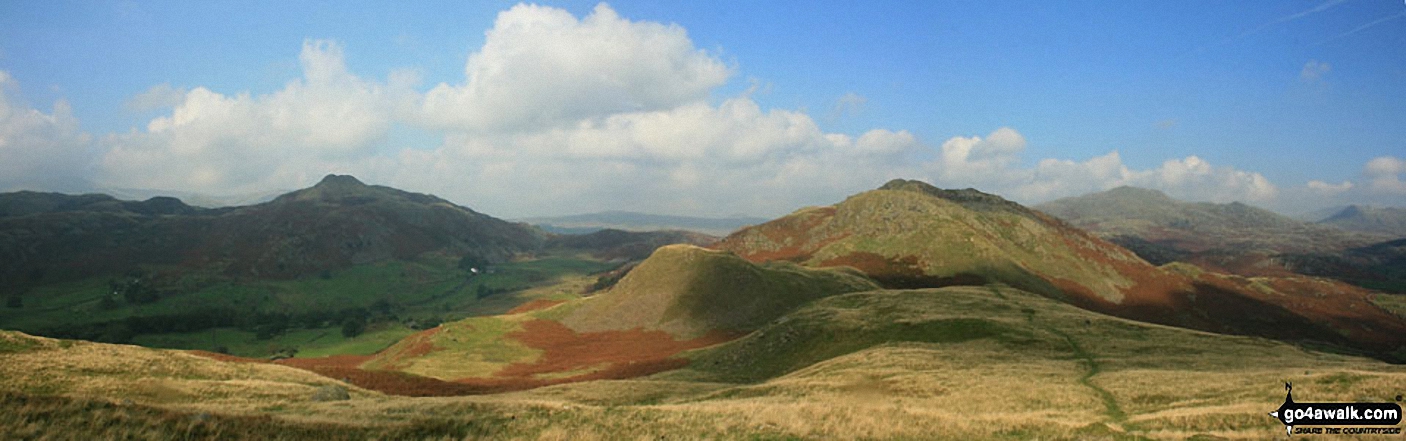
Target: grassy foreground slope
[(987, 362)]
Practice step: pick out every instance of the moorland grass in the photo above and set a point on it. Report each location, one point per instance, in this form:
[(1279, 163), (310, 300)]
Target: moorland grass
[(950, 363)]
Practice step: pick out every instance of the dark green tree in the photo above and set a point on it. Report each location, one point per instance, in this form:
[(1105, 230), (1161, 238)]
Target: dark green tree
[(353, 326), (14, 301)]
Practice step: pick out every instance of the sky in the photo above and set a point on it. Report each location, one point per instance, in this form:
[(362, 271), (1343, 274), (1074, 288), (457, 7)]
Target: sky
[(708, 108)]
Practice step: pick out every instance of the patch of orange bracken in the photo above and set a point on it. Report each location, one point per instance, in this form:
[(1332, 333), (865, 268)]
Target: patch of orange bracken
[(333, 361), (401, 383), (901, 272), (608, 354), (598, 355), (535, 305), (789, 235)]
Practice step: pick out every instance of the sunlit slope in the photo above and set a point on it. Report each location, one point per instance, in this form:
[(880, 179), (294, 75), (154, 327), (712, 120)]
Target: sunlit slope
[(911, 234), (689, 291), (44, 366)]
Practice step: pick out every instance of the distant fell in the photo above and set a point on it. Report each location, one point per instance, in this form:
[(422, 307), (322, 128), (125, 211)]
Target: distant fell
[(1234, 237), (1390, 221), (1130, 210), (25, 203), (633, 221), (612, 244)]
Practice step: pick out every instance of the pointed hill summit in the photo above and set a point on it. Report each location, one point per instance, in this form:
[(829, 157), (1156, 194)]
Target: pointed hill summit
[(909, 234), (689, 291), (1390, 221)]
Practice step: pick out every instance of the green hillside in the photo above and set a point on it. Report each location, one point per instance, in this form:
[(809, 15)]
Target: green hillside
[(909, 234), (341, 266), (689, 291)]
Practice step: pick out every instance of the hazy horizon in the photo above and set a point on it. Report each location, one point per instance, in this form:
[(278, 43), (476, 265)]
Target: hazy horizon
[(565, 108)]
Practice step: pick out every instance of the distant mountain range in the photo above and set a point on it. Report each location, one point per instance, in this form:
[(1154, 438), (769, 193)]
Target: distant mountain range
[(1351, 245), (631, 221)]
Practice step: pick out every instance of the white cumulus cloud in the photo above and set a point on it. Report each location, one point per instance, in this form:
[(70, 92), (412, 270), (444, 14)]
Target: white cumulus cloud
[(541, 66), (222, 143), (1384, 174), (39, 151), (993, 164)]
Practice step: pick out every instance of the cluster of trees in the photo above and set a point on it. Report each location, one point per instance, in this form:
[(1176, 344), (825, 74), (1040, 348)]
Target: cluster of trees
[(132, 290), (610, 278), (264, 325), (484, 291)]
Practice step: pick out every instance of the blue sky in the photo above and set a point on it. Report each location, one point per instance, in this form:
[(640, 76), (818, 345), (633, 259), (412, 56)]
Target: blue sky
[(709, 108)]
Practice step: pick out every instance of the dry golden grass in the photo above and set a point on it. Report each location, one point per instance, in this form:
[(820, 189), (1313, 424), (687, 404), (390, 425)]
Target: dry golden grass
[(153, 376)]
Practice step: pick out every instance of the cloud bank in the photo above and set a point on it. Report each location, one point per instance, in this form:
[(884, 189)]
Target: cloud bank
[(558, 115)]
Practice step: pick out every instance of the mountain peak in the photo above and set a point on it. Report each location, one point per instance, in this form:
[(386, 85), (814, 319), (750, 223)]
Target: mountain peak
[(339, 181), (1369, 219), (1138, 192), (910, 185), (970, 198), (339, 189)]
